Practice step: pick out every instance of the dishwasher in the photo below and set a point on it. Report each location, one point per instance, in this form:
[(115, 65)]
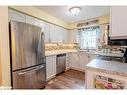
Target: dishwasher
[(60, 63)]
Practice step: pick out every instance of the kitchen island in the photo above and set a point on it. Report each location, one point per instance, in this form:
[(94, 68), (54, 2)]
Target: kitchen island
[(103, 74)]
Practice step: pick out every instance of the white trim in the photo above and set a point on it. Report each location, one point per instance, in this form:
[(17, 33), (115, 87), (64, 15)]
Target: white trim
[(5, 88), (77, 69)]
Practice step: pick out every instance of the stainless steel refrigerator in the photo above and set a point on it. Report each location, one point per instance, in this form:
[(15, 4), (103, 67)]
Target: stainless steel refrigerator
[(27, 56)]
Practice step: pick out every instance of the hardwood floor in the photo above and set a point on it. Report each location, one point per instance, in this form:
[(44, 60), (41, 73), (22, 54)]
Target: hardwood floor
[(70, 79)]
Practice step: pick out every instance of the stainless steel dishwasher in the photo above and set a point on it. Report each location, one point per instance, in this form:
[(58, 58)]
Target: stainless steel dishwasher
[(60, 63)]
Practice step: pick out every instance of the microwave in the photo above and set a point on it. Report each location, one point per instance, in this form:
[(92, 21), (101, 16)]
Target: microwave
[(120, 42)]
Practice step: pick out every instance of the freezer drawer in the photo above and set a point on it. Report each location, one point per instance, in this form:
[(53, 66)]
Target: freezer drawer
[(32, 78)]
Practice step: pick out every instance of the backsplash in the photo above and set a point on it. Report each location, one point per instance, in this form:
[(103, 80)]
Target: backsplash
[(60, 46)]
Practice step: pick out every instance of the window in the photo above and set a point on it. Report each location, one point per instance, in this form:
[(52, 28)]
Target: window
[(89, 37)]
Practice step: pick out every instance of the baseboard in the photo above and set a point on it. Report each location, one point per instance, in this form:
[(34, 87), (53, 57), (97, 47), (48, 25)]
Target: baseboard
[(5, 88), (50, 78), (77, 69), (67, 68)]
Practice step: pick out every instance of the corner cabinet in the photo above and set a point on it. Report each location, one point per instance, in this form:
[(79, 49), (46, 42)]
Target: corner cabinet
[(50, 67), (118, 22)]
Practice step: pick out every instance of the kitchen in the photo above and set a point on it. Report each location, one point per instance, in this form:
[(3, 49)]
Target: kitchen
[(67, 48)]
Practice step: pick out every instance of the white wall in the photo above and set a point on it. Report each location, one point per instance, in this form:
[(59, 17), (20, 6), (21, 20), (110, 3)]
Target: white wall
[(4, 46), (0, 72)]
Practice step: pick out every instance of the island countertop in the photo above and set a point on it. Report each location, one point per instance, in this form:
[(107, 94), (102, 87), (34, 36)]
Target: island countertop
[(111, 67)]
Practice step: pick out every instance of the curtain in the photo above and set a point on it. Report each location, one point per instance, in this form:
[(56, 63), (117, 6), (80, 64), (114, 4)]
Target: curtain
[(88, 37)]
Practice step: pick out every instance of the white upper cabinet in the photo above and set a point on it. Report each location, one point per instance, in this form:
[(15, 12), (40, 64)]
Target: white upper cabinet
[(58, 34), (118, 22), (53, 33), (34, 21), (73, 36), (16, 16), (47, 31), (65, 34)]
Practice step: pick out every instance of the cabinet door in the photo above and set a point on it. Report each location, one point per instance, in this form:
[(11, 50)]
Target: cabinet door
[(68, 58), (92, 57), (73, 35), (83, 60), (53, 33), (16, 16), (65, 34), (34, 21), (118, 21), (50, 67), (47, 32), (59, 33), (75, 61), (31, 78)]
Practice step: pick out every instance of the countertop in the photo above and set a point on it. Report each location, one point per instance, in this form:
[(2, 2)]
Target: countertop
[(110, 54), (112, 67), (50, 53), (55, 52)]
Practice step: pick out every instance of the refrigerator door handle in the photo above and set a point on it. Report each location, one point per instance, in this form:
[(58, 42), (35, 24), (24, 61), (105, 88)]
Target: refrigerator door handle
[(42, 44), (29, 71), (41, 48)]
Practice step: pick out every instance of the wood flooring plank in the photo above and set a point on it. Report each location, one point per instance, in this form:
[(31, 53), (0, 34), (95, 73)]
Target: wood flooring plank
[(71, 79)]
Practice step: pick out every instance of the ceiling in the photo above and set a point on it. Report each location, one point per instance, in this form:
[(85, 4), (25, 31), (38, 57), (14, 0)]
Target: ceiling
[(87, 12)]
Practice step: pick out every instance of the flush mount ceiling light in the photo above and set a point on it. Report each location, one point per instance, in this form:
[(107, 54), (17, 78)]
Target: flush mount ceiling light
[(75, 10)]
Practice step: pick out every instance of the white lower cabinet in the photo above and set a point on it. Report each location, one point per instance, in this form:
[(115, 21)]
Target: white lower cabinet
[(74, 61), (83, 60), (79, 60), (50, 67), (92, 57), (68, 58)]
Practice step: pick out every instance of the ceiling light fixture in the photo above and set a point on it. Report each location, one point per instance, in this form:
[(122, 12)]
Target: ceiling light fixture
[(75, 10)]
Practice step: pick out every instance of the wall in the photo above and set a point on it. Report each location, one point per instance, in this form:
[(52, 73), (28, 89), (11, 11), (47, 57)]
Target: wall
[(4, 46), (104, 20), (41, 15), (0, 72)]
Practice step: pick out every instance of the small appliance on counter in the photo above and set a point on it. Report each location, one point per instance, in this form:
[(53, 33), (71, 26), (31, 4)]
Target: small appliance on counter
[(117, 42)]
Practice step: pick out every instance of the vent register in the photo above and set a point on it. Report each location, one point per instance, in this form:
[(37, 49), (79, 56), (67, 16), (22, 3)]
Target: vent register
[(81, 24)]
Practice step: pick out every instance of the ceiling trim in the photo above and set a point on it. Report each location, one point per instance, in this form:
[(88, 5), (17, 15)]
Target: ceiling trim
[(41, 15)]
